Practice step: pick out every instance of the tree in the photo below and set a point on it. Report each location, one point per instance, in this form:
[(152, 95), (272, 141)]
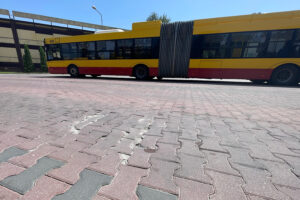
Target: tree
[(154, 16), (28, 65), (165, 19), (43, 60)]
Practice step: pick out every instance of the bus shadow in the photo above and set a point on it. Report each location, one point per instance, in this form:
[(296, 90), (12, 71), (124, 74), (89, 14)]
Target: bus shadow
[(175, 81)]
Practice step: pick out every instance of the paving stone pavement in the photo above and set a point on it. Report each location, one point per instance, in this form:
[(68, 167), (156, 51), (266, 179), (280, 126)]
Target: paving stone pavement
[(122, 139)]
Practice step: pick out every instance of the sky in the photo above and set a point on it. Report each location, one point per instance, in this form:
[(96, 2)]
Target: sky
[(122, 13)]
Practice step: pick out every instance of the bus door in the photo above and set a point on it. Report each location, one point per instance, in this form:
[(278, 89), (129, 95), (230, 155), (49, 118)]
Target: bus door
[(175, 48)]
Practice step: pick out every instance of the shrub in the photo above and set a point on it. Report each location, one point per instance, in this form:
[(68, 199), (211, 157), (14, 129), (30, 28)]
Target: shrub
[(43, 62), (28, 65)]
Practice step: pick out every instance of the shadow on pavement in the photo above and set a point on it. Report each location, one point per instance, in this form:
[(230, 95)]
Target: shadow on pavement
[(172, 80)]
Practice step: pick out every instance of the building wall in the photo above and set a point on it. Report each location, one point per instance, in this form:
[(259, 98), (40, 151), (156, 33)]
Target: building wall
[(32, 34)]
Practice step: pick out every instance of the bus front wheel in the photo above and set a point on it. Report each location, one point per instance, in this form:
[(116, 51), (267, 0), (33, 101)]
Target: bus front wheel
[(285, 75), (73, 71), (141, 72)]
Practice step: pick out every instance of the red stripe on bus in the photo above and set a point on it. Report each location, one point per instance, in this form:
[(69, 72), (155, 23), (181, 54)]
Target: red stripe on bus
[(226, 73), (127, 71), (251, 74), (57, 70)]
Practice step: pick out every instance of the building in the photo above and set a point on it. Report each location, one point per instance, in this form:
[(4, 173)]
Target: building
[(19, 28)]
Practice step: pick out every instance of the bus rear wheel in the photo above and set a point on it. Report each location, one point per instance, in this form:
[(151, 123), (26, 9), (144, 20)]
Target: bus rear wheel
[(285, 75), (73, 71), (141, 72)]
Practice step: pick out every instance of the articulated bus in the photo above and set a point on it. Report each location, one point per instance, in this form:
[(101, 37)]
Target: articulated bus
[(257, 47)]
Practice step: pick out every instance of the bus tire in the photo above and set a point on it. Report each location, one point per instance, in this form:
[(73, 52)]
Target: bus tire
[(141, 72), (73, 71), (285, 75)]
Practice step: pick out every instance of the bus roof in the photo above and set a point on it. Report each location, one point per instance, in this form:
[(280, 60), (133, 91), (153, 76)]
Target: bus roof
[(139, 30), (252, 22)]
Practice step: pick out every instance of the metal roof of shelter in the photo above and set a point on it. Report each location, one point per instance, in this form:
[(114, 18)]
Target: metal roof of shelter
[(55, 20)]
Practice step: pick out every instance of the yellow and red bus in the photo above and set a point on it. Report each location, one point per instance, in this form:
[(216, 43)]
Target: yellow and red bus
[(257, 47)]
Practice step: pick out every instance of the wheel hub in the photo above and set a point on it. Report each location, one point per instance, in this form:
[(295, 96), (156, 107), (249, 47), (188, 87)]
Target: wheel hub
[(284, 75)]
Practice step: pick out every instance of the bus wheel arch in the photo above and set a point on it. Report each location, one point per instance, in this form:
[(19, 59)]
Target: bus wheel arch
[(141, 72), (73, 70), (286, 74)]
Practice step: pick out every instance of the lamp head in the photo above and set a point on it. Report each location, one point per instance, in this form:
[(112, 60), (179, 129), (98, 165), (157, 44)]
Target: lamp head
[(94, 7)]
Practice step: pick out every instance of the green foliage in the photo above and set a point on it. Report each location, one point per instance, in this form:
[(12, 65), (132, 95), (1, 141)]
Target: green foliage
[(43, 62), (154, 16), (165, 19), (28, 65)]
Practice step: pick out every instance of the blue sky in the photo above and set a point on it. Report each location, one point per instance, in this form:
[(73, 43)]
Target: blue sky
[(122, 13)]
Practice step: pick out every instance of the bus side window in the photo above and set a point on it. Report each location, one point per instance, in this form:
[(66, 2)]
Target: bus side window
[(143, 48), (196, 51), (74, 51), (65, 51), (210, 46), (125, 49), (49, 53), (238, 41), (105, 50), (214, 46), (296, 45), (155, 47), (56, 52), (280, 44), (255, 46), (82, 49), (91, 50)]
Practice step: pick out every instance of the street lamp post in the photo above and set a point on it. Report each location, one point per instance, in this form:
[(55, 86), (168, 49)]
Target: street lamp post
[(94, 7)]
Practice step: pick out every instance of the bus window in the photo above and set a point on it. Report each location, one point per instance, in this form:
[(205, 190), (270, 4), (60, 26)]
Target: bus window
[(155, 47), (210, 46), (53, 52), (125, 49), (255, 46), (280, 44), (296, 45), (142, 48), (91, 50), (65, 51), (74, 51), (196, 51), (105, 50), (238, 41), (82, 49), (214, 46)]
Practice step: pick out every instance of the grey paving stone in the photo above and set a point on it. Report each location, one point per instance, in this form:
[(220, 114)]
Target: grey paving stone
[(24, 181), (10, 153), (146, 193), (87, 186), (241, 156)]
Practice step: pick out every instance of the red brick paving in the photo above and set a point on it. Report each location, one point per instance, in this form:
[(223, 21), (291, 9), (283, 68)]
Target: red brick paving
[(124, 184), (197, 140), (8, 194), (7, 169), (40, 191)]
